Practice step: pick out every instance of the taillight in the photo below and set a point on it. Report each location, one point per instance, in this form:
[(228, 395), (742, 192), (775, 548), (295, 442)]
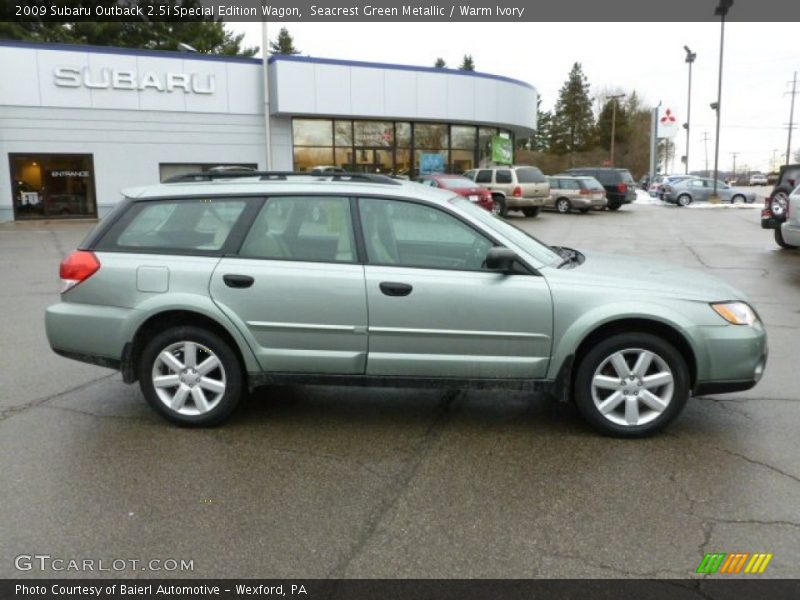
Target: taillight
[(77, 267), (517, 192), (666, 188), (585, 192), (622, 188)]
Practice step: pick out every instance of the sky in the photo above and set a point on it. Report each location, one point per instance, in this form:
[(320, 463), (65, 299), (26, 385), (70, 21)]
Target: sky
[(759, 63)]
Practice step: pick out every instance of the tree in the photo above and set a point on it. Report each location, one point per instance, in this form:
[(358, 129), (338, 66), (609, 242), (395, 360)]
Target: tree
[(284, 45), (467, 64), (573, 121), (440, 64), (620, 124), (207, 36), (540, 140)]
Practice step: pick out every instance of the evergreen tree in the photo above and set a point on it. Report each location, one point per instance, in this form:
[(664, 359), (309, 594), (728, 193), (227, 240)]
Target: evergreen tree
[(540, 141), (573, 121), (207, 36), (284, 44), (605, 121), (467, 64), (440, 64)]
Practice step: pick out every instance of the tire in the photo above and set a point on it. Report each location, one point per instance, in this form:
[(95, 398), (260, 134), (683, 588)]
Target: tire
[(613, 206), (583, 211), (531, 211), (220, 389), (563, 206), (600, 361), (779, 202), (738, 197), (780, 241), (501, 206), (684, 200)]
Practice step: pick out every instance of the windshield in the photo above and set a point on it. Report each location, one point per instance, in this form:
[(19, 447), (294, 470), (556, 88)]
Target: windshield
[(457, 183), (526, 241)]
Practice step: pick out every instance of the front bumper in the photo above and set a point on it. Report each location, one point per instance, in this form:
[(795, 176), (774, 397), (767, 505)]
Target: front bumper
[(735, 358)]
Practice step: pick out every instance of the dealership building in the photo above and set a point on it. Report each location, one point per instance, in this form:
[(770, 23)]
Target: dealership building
[(80, 123)]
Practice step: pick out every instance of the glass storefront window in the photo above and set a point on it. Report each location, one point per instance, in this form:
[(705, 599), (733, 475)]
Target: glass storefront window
[(306, 159), (312, 132), (464, 137), (343, 133), (402, 162), (403, 134), (485, 135), (53, 185), (374, 133), (430, 161), (344, 158), (463, 160), (430, 135)]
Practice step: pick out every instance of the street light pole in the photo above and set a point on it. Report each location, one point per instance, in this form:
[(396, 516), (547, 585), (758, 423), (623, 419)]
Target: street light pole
[(265, 75), (614, 123), (690, 56), (722, 10)]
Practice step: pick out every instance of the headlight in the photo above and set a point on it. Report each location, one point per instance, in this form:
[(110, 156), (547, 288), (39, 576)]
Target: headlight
[(737, 313)]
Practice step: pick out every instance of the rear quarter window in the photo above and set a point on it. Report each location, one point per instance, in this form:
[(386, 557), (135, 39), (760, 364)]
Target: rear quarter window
[(185, 225), (503, 176)]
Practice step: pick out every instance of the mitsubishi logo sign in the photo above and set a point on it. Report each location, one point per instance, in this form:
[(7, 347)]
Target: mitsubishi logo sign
[(667, 125), (119, 79)]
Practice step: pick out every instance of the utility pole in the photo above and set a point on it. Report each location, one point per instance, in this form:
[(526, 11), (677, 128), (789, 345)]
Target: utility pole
[(734, 154), (614, 123), (774, 165), (690, 57), (265, 75), (794, 92), (705, 141), (722, 11)]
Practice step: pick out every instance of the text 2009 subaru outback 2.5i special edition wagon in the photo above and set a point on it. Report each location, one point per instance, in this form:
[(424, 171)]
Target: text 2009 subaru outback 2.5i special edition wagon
[(208, 286)]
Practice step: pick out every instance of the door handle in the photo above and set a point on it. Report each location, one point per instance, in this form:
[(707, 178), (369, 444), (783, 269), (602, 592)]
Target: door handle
[(391, 288), (238, 281)]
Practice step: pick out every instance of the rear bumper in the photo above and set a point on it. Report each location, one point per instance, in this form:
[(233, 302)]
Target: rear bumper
[(791, 233), (770, 223), (516, 202), (87, 332)]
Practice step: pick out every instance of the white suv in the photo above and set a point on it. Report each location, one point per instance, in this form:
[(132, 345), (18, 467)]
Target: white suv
[(521, 188)]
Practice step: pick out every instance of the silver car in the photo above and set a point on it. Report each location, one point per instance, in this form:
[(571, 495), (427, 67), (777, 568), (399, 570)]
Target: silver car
[(201, 290), (576, 193), (699, 189)]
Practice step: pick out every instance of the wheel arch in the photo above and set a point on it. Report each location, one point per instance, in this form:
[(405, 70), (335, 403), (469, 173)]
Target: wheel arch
[(171, 317)]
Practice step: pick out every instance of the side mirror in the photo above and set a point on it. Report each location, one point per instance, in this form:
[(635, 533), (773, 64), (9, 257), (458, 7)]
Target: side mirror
[(500, 259)]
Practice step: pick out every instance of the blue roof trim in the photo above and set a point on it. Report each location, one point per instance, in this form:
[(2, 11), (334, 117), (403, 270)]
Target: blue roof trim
[(129, 51), (249, 60), (375, 65)]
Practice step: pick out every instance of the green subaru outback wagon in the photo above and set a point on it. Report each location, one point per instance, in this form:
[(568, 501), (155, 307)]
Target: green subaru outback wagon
[(216, 283)]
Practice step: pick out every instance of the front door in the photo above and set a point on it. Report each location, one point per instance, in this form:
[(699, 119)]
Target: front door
[(296, 289), (435, 311)]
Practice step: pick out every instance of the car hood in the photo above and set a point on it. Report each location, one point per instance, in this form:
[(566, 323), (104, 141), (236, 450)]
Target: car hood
[(650, 277)]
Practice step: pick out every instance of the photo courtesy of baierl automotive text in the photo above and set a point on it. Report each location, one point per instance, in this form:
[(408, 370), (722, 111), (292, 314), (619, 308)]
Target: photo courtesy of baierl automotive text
[(369, 300)]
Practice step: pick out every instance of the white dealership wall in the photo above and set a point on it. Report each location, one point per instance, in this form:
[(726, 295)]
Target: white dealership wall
[(76, 99)]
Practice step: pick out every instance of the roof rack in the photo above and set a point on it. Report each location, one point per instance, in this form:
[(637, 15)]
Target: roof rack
[(281, 176)]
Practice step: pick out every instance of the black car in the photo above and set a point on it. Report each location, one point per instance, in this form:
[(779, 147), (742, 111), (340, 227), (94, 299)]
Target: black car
[(619, 183), (775, 205)]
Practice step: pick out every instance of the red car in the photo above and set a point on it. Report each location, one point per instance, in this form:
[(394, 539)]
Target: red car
[(460, 185)]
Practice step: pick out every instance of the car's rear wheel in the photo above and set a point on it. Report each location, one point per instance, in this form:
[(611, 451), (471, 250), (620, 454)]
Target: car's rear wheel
[(684, 200), (613, 206), (500, 206), (631, 384), (583, 211), (563, 206), (780, 240), (530, 211), (190, 376)]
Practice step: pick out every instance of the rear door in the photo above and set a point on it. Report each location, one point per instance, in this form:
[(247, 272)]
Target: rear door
[(434, 311), (533, 183), (296, 288)]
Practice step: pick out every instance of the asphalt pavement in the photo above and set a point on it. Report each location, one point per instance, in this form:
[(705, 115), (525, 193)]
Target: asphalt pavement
[(310, 481)]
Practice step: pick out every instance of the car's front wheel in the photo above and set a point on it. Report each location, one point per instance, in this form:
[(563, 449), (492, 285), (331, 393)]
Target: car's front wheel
[(563, 206), (631, 384), (190, 376)]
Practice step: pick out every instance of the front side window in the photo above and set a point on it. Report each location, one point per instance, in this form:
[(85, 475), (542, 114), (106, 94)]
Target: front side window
[(484, 176), (570, 184), (175, 225), (405, 234), (308, 228)]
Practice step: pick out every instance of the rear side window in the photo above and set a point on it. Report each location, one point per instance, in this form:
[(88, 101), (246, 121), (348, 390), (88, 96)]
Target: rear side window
[(308, 228), (626, 176), (484, 176), (530, 175), (503, 176), (606, 177), (555, 183), (186, 225)]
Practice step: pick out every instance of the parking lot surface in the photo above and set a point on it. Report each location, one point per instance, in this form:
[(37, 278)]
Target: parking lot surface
[(312, 481)]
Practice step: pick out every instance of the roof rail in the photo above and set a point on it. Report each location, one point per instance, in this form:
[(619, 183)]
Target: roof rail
[(280, 176)]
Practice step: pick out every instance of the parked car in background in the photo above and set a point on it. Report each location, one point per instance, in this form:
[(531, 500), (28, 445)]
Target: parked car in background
[(667, 180), (463, 186), (576, 193), (619, 184), (758, 179), (699, 189), (521, 187), (327, 170), (204, 290), (777, 203), (790, 228)]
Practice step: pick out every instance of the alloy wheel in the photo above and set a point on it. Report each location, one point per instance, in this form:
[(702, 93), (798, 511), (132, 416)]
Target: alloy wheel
[(632, 387), (562, 206), (188, 378)]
